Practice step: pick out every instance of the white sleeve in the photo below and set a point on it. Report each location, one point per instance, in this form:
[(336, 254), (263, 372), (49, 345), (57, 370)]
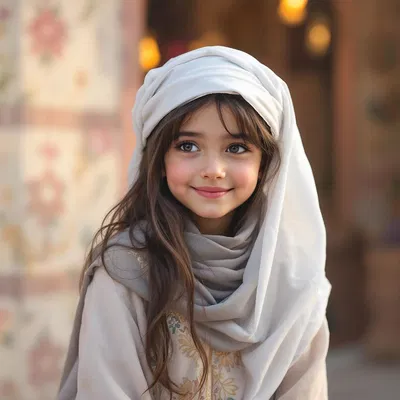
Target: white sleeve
[(111, 353), (306, 378)]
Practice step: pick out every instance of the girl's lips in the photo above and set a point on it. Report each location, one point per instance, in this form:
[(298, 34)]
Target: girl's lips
[(211, 192)]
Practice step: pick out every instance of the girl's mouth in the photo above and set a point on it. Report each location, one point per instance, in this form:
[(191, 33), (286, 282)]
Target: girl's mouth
[(211, 192)]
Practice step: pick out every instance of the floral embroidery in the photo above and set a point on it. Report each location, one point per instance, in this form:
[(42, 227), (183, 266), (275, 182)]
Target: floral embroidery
[(221, 383), (176, 323), (227, 360), (187, 347), (223, 388), (173, 323), (178, 326), (188, 387)]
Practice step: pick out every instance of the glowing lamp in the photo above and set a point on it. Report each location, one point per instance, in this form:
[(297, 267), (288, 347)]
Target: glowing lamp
[(149, 53), (292, 12), (318, 36)]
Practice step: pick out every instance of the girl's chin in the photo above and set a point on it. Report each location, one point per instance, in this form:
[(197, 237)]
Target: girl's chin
[(210, 215), (212, 218)]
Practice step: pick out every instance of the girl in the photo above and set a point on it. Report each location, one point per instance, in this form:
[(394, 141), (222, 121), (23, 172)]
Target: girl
[(208, 280)]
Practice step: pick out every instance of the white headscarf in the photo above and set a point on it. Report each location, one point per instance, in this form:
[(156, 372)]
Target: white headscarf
[(274, 315)]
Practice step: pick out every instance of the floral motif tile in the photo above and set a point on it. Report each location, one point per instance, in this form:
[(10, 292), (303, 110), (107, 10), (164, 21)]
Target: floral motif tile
[(70, 55), (70, 181), (54, 192)]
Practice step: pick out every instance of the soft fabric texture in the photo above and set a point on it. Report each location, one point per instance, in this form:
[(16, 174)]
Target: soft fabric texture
[(271, 306), (115, 315), (219, 262)]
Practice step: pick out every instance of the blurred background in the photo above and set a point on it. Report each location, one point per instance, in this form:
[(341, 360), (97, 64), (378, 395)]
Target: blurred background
[(69, 72)]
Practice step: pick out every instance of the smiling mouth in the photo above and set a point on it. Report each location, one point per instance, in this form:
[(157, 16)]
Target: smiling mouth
[(211, 192)]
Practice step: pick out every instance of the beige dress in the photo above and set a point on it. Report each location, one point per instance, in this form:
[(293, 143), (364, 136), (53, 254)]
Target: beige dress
[(113, 366)]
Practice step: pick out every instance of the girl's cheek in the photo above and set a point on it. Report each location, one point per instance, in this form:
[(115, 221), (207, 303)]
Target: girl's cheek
[(246, 175), (178, 171)]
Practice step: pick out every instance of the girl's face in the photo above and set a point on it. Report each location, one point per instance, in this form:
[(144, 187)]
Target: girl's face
[(210, 171)]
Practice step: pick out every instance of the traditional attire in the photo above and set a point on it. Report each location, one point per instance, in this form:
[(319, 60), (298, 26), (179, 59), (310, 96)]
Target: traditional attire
[(260, 296)]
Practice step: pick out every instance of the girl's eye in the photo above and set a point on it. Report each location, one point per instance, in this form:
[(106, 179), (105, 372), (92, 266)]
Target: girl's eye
[(237, 148), (187, 147)]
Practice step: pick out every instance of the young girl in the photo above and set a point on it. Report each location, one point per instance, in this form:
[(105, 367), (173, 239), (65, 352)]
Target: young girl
[(208, 280)]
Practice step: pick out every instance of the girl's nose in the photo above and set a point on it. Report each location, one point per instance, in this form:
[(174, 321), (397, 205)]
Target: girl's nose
[(214, 169)]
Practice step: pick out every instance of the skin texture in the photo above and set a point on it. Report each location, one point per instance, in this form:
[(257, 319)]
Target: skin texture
[(207, 156)]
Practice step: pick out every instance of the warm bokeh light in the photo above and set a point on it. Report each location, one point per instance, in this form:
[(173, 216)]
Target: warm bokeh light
[(296, 3), (318, 36), (149, 53), (292, 12)]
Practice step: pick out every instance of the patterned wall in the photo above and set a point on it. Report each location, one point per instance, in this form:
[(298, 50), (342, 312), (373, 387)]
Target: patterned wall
[(61, 139)]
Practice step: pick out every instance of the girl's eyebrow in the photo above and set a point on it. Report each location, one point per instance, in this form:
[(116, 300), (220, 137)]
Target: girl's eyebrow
[(188, 133), (199, 134)]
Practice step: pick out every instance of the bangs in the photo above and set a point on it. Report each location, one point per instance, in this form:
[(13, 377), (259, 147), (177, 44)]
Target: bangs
[(252, 126), (249, 122)]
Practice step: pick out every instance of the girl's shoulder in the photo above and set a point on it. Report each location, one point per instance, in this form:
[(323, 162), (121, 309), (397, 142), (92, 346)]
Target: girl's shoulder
[(103, 284), (126, 247), (125, 263), (111, 301)]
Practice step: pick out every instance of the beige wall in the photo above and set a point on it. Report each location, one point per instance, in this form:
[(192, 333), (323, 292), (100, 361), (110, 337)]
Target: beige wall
[(68, 74)]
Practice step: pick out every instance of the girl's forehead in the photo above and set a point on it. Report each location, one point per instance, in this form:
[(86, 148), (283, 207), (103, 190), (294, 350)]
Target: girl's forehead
[(208, 118), (211, 135)]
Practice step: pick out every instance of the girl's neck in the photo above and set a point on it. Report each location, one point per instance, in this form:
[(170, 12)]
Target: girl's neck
[(214, 226)]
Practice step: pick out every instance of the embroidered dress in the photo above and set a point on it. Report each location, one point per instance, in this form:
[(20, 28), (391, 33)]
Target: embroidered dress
[(112, 363)]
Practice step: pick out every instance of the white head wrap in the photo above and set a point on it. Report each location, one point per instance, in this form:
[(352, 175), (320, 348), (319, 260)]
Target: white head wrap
[(284, 281)]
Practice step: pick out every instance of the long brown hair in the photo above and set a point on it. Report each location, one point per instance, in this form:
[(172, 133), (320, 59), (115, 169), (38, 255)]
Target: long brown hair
[(149, 199)]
